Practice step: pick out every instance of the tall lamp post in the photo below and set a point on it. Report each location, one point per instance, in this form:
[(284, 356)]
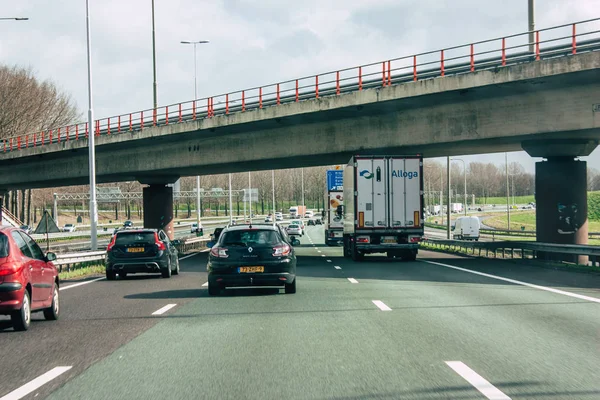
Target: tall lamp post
[(7, 19), (195, 43), (91, 139), (507, 192), (465, 171), (154, 60)]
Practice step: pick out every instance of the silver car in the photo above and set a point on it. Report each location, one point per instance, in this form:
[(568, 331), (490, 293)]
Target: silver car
[(294, 230)]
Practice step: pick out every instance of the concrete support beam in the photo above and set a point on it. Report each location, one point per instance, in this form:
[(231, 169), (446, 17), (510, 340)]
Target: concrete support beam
[(158, 208), (570, 147)]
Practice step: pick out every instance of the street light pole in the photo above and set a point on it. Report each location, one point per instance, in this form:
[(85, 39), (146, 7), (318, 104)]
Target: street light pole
[(507, 191), (465, 187), (531, 15), (273, 186), (448, 198), (198, 205), (198, 219), (230, 201), (91, 139), (250, 194), (303, 192), (154, 59)]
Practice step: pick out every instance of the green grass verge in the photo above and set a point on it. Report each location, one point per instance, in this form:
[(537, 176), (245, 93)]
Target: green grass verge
[(85, 270), (502, 200), (527, 219)]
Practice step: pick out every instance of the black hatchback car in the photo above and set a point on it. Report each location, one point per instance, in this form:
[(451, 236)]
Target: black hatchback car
[(141, 251), (251, 255)]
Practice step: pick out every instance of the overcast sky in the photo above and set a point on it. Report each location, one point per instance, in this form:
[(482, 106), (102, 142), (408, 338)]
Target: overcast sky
[(252, 42)]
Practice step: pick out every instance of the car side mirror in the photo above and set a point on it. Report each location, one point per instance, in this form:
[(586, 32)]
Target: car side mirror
[(176, 242), (51, 256), (295, 242)]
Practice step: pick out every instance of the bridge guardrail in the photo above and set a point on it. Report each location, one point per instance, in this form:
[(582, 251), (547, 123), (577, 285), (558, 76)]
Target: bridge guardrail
[(524, 249), (557, 41)]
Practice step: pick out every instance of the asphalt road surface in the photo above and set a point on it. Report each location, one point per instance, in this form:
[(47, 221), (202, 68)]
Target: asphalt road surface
[(443, 327)]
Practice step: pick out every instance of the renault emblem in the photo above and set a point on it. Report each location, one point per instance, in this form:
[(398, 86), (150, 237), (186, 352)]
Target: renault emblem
[(250, 249)]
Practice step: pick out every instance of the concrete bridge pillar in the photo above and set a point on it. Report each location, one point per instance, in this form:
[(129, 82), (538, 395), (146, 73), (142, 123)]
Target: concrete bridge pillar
[(158, 208), (561, 192)]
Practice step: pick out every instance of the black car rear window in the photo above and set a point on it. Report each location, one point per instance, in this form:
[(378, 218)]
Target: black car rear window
[(3, 245), (255, 237), (127, 238)]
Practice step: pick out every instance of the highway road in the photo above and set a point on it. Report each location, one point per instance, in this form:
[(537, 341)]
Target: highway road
[(443, 327)]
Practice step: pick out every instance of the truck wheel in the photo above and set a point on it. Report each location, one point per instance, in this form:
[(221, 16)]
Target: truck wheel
[(346, 252), (356, 254), (410, 255)]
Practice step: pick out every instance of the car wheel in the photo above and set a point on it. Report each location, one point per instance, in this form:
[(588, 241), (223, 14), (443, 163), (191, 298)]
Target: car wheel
[(290, 288), (166, 273), (21, 319), (213, 290), (111, 275), (51, 313), (123, 275), (176, 271)]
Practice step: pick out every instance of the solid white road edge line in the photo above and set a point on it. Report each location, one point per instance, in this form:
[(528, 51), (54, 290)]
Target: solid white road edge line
[(352, 280), (163, 310), (486, 388), (531, 285), (337, 267), (79, 284), (35, 384), (381, 305)]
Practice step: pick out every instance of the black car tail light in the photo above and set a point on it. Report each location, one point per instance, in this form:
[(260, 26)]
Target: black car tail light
[(112, 243), (160, 245), (219, 252), (281, 250)]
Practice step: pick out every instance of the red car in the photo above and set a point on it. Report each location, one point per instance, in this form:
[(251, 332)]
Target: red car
[(28, 279)]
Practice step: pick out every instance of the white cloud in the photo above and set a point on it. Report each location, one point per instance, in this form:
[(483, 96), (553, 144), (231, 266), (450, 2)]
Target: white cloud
[(252, 42)]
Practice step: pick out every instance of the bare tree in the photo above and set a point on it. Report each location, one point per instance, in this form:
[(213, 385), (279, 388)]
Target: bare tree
[(28, 105)]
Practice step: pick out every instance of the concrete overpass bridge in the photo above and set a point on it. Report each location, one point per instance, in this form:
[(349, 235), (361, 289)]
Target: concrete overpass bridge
[(489, 96)]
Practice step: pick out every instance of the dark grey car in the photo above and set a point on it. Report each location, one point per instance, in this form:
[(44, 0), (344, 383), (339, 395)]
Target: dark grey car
[(141, 251)]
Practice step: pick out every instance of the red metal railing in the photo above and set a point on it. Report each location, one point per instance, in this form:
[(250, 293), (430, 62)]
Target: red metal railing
[(562, 40)]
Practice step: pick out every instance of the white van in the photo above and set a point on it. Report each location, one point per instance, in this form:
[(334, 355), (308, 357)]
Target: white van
[(466, 228)]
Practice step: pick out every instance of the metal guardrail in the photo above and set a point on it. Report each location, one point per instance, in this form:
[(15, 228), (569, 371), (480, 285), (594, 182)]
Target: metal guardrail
[(504, 232), (556, 41), (525, 250)]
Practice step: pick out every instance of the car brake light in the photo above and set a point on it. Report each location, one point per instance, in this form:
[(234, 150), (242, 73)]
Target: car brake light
[(9, 269), (160, 245), (362, 240), (112, 243), (219, 252), (415, 239), (281, 250)]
